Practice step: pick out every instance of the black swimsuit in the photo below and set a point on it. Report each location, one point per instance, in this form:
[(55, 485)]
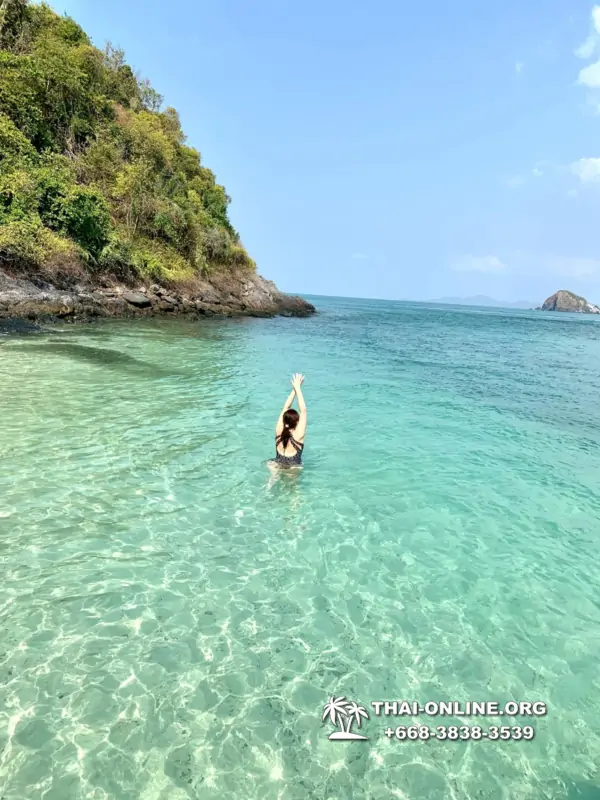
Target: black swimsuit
[(289, 461)]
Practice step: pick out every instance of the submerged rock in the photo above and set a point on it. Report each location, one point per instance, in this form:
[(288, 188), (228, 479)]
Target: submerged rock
[(18, 326), (564, 300)]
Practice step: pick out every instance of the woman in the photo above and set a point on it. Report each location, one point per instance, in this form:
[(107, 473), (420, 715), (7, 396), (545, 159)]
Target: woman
[(291, 428)]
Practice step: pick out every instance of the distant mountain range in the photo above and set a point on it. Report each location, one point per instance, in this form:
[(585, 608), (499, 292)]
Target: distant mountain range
[(483, 300)]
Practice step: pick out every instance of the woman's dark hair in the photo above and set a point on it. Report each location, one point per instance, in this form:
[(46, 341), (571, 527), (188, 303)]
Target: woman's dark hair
[(290, 420)]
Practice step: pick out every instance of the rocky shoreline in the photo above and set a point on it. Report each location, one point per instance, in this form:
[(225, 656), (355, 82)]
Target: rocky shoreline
[(229, 294)]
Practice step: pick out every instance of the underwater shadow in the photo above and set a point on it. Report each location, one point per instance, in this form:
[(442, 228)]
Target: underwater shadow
[(18, 327), (101, 356)]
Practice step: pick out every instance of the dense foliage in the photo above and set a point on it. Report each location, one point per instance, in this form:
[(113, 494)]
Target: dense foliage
[(92, 172)]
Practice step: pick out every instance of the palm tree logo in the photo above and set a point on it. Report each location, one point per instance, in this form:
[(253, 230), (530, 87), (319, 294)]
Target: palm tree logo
[(340, 711)]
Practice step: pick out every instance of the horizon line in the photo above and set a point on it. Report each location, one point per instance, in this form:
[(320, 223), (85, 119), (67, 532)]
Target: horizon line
[(437, 301)]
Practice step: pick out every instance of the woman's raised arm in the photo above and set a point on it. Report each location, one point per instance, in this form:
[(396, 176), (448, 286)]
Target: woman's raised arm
[(300, 429)]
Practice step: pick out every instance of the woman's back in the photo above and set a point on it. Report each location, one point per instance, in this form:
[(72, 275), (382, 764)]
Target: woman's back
[(292, 450)]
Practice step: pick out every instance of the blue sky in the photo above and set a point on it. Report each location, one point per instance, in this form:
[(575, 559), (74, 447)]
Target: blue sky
[(388, 149)]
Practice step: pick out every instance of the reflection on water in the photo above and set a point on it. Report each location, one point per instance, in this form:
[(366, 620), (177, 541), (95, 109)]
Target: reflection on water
[(285, 484)]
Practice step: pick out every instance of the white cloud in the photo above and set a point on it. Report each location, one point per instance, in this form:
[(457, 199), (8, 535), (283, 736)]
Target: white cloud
[(558, 266), (587, 49), (592, 43), (590, 76), (570, 267), (587, 169), (532, 265), (539, 171), (469, 263), (514, 182)]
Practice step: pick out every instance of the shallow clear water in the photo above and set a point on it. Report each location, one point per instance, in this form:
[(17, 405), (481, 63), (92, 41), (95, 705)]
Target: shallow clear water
[(173, 620)]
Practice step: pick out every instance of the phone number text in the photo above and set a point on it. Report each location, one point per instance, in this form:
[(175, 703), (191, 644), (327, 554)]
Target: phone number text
[(451, 733)]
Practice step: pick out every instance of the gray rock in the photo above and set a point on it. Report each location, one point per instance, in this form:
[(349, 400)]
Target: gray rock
[(210, 296), (116, 306), (136, 299)]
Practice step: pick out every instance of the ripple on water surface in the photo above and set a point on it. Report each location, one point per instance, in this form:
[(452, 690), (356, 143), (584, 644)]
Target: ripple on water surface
[(174, 618)]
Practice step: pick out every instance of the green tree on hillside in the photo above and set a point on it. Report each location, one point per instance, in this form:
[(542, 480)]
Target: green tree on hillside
[(93, 173)]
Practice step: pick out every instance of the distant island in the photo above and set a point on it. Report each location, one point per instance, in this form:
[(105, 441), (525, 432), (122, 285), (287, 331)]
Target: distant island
[(105, 210), (483, 300), (564, 300)]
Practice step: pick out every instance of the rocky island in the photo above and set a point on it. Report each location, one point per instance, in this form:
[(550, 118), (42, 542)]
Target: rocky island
[(564, 300), (105, 210)]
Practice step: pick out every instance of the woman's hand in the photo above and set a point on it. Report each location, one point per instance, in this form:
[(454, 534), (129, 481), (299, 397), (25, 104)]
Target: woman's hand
[(297, 380)]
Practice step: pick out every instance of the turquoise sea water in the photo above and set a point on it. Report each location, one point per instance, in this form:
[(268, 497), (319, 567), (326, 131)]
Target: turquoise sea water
[(173, 619)]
